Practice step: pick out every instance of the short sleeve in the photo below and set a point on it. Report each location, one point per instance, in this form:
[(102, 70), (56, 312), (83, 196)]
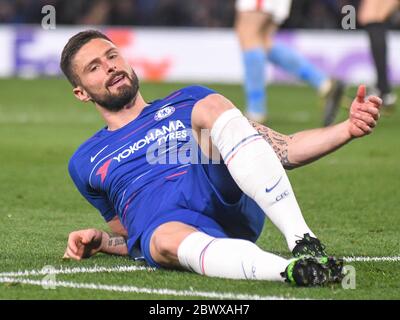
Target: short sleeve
[(96, 199), (199, 92)]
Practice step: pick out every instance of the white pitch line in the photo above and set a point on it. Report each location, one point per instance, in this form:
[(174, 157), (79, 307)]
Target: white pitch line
[(372, 259), (13, 277), (121, 269), (132, 289), (96, 269)]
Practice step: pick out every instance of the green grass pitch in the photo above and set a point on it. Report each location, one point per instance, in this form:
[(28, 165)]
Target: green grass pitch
[(350, 199)]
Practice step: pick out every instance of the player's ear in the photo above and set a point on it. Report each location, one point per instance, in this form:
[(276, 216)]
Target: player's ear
[(81, 94)]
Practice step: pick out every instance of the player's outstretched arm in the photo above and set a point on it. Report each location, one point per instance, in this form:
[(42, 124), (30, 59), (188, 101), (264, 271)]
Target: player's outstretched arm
[(307, 146), (86, 243)]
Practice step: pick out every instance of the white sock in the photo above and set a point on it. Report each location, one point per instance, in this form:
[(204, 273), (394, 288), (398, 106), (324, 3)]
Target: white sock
[(258, 172), (229, 258)]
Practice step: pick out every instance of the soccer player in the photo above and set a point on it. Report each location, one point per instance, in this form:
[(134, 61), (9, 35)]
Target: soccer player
[(152, 172), (256, 24), (373, 15)]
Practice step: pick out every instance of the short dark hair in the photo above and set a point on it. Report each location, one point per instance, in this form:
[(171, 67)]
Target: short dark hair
[(73, 45)]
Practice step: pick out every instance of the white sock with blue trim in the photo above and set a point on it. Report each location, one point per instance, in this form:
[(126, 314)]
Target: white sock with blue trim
[(258, 172), (229, 258)]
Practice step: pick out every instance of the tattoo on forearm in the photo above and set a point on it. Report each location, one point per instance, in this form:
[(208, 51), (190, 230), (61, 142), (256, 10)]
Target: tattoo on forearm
[(116, 240), (279, 142)]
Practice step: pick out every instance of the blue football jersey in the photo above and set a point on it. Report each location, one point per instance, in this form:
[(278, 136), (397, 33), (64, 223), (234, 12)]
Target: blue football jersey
[(151, 169)]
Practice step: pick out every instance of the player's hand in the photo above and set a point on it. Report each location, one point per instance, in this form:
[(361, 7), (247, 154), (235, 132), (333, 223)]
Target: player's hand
[(364, 113), (83, 244)]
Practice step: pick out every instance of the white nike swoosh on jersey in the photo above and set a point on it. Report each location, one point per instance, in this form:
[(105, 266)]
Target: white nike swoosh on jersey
[(165, 105), (93, 158)]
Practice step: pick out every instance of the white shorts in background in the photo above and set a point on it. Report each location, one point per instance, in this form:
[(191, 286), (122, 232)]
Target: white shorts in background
[(278, 9)]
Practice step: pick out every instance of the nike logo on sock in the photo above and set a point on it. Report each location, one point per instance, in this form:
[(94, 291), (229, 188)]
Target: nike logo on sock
[(273, 187)]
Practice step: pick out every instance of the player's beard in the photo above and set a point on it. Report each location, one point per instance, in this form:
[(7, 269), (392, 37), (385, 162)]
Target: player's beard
[(126, 94)]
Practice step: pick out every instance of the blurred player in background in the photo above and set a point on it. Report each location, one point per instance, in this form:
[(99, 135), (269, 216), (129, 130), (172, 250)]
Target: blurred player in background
[(198, 215), (373, 16), (256, 24)]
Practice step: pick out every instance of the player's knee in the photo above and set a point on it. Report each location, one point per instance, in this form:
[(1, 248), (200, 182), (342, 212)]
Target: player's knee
[(363, 19), (250, 27), (165, 242), (163, 247), (207, 110), (247, 32), (366, 17)]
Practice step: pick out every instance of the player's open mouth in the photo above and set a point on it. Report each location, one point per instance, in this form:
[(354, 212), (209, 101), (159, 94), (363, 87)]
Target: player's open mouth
[(117, 80)]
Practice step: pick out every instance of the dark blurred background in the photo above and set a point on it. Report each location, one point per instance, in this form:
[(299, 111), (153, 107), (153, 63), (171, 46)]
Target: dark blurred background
[(307, 14)]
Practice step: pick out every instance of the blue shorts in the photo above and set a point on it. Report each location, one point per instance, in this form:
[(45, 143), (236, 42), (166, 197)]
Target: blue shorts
[(201, 198), (201, 223)]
